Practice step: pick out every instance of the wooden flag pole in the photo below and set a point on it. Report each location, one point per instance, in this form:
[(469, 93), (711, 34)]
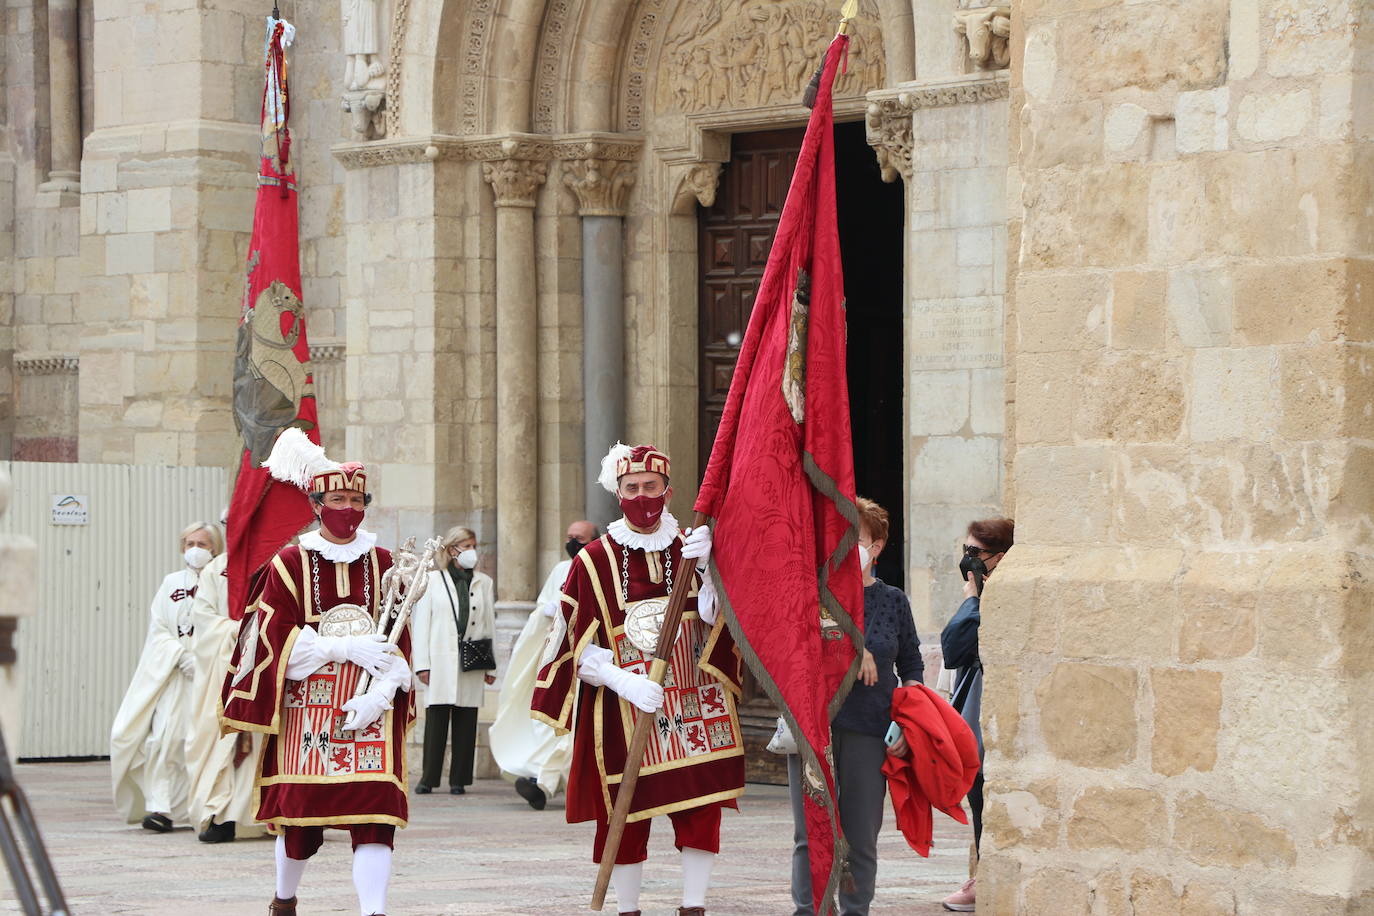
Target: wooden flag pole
[(639, 741)]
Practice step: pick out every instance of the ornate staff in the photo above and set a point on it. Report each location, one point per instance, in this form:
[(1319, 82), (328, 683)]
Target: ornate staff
[(399, 596), (639, 741)]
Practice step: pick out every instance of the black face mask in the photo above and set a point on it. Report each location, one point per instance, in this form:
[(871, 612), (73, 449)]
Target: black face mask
[(573, 547)]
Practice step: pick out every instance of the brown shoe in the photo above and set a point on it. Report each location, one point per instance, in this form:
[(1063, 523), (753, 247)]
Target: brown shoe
[(691, 911), (631, 913), (280, 907)]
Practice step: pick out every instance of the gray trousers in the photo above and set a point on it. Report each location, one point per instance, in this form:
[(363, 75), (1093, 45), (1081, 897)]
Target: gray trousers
[(862, 786)]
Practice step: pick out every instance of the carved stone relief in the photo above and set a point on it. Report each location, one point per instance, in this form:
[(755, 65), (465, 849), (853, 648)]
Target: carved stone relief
[(987, 31), (515, 181), (474, 54), (890, 135), (600, 185), (720, 54), (697, 186), (548, 66), (400, 18)]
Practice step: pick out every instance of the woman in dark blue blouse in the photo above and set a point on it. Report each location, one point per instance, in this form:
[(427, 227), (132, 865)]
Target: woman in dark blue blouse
[(892, 652)]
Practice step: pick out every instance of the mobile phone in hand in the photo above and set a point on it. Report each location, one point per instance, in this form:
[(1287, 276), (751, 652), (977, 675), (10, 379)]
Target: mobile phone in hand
[(894, 731)]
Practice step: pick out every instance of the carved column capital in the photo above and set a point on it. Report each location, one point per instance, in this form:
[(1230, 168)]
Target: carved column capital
[(987, 30), (600, 185), (697, 186), (889, 129), (515, 181)]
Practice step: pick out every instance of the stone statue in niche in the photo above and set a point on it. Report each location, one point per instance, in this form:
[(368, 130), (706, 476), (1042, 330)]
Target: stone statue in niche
[(364, 96), (988, 30), (361, 45), (761, 53)]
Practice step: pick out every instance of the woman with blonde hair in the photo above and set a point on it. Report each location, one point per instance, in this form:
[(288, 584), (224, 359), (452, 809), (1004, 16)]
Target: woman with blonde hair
[(452, 627), (148, 738)]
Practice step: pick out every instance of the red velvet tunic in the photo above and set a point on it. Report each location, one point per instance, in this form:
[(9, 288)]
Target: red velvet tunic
[(696, 756), (313, 772)]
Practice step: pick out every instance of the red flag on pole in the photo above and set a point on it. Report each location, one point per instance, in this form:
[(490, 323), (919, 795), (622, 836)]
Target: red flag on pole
[(273, 384), (779, 487)]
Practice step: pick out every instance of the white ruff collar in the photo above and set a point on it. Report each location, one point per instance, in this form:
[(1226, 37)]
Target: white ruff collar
[(362, 542), (658, 539)]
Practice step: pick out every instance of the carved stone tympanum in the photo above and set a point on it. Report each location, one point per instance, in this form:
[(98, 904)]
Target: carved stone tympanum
[(723, 55), (987, 30)]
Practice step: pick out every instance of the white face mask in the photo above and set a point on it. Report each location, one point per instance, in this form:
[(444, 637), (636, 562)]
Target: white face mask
[(467, 559), (196, 557), (863, 558)]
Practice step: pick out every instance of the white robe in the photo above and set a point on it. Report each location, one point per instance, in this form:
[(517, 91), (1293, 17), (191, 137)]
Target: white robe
[(148, 738), (524, 746), (434, 638), (219, 790)]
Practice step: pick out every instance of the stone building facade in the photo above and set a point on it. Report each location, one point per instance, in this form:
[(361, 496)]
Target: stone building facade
[(1130, 249)]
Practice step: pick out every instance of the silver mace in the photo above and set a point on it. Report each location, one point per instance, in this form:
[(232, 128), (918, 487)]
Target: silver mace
[(394, 586)]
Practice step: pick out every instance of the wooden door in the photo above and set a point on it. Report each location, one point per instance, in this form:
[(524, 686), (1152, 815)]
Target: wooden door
[(735, 237)]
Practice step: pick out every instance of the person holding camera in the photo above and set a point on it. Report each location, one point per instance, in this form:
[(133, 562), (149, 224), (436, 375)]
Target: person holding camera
[(985, 544), (862, 732)]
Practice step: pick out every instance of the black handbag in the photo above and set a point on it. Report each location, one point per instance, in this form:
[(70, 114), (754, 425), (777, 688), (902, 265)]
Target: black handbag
[(476, 655)]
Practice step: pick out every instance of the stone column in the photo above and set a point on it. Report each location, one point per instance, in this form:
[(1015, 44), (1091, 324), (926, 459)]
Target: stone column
[(1179, 657), (515, 182), (601, 187), (64, 90)]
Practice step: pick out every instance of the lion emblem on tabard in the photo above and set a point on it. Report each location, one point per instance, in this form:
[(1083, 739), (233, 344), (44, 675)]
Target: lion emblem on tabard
[(269, 380)]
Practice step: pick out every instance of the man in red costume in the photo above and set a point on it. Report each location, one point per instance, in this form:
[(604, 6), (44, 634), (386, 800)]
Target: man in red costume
[(612, 607), (332, 758)]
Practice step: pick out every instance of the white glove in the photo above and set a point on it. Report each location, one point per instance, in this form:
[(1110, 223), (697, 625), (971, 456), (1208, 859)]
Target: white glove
[(549, 609), (698, 546), (364, 710), (708, 609), (598, 669), (369, 652), (187, 663)]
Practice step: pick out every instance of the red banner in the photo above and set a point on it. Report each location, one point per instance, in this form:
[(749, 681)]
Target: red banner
[(779, 487), (273, 384)]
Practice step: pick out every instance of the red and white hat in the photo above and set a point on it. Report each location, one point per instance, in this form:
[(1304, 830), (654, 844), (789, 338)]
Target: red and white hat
[(624, 459), (297, 460)]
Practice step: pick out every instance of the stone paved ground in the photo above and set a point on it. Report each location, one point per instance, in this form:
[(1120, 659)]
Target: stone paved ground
[(485, 852)]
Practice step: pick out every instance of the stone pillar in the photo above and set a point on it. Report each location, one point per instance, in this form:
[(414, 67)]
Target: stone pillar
[(64, 90), (946, 140), (515, 182), (1178, 651), (601, 187)]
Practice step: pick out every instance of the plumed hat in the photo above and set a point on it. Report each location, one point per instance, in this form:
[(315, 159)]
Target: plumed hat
[(296, 460), (622, 460)]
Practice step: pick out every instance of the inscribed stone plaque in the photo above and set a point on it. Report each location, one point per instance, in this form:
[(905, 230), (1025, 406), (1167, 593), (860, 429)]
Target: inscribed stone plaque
[(956, 333)]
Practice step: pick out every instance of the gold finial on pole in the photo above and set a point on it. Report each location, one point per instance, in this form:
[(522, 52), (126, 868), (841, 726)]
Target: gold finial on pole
[(847, 13)]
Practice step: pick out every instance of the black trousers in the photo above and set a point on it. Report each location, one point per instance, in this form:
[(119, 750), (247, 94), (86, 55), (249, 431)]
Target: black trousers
[(975, 804), (437, 721)]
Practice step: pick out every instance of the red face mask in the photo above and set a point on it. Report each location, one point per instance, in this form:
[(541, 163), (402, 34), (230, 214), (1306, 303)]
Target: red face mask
[(342, 523), (643, 511)]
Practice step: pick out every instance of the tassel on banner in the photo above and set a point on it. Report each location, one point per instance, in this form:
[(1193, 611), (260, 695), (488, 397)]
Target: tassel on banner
[(847, 14)]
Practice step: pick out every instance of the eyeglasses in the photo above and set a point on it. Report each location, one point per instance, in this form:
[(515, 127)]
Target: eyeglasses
[(971, 550)]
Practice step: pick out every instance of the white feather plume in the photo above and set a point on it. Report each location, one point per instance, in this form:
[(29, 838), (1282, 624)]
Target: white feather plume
[(608, 477), (295, 459)]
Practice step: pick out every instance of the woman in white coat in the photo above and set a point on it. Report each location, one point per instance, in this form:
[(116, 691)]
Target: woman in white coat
[(148, 738), (459, 604)]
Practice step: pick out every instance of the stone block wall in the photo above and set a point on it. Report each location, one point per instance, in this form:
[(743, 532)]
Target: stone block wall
[(1178, 650)]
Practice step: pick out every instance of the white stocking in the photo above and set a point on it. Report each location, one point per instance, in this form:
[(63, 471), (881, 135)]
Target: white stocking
[(371, 875), (289, 871), (627, 879), (696, 875)]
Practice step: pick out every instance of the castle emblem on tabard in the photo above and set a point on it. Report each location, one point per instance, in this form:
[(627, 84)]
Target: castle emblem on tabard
[(270, 381)]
